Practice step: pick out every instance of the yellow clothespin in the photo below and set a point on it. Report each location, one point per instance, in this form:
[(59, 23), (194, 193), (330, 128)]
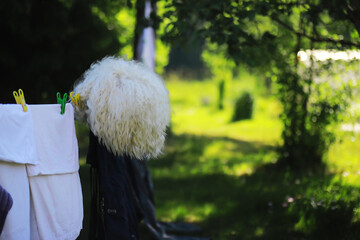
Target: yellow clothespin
[(20, 99), (75, 99)]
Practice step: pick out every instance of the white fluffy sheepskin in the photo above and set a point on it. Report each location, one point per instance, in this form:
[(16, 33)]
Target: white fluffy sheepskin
[(126, 105)]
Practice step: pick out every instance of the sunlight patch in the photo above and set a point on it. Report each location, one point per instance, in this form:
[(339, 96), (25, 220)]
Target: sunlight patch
[(191, 214), (239, 170), (259, 231), (356, 216), (223, 148)]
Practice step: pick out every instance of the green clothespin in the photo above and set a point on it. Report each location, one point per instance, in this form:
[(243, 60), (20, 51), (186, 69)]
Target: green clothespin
[(61, 101)]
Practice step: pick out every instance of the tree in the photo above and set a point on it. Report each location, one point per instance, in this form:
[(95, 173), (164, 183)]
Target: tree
[(220, 68), (267, 35)]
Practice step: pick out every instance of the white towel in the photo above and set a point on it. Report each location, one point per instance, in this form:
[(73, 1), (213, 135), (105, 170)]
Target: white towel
[(56, 193), (14, 179), (17, 142), (56, 142), (58, 206)]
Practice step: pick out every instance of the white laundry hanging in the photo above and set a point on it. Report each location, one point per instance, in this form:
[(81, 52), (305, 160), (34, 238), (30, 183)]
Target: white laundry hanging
[(17, 148), (39, 167), (54, 181), (17, 140), (56, 142), (14, 179)]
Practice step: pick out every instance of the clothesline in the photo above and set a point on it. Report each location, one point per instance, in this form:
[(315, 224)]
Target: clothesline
[(39, 164), (75, 98)]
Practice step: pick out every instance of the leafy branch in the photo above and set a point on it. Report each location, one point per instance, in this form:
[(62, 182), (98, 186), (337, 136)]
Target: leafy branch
[(316, 38)]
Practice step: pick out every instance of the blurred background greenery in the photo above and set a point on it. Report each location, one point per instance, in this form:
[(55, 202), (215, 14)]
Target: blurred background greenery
[(264, 135)]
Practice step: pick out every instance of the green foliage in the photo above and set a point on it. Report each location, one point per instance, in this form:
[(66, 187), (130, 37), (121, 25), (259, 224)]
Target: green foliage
[(243, 107), (267, 35), (322, 94), (185, 60), (221, 22), (330, 221), (196, 113), (125, 19), (281, 204), (161, 57), (222, 176), (221, 68)]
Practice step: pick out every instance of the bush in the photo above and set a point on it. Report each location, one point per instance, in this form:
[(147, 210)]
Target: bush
[(243, 107)]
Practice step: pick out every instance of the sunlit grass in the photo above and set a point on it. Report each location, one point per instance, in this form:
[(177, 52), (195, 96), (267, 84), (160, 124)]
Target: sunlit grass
[(220, 174), (234, 148), (344, 158), (189, 212), (218, 162), (194, 112)]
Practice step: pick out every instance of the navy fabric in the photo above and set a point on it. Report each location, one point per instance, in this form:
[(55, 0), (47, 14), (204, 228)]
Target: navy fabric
[(114, 214), (122, 195), (140, 177), (6, 203)]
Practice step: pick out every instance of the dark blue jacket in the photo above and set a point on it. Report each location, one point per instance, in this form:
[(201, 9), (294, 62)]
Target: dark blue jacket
[(114, 215)]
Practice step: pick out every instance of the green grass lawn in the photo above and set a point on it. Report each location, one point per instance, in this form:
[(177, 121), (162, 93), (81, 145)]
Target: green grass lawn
[(222, 176)]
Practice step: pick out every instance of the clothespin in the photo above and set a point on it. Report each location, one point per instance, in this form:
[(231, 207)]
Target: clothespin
[(61, 101), (75, 99), (20, 99)]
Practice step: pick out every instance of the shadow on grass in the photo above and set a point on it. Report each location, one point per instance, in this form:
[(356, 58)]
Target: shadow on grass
[(233, 190), (268, 203), (200, 154)]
